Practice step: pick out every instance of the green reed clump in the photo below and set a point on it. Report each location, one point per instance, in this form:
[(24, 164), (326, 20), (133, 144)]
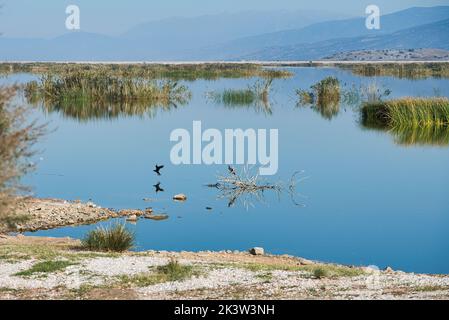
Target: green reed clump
[(101, 88), (116, 238), (407, 112), (324, 97), (327, 91), (238, 97), (256, 96)]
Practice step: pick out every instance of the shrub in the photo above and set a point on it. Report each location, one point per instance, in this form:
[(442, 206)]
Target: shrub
[(17, 136), (116, 238)]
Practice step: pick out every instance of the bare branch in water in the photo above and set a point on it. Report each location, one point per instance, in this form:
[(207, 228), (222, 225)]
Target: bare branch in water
[(248, 187)]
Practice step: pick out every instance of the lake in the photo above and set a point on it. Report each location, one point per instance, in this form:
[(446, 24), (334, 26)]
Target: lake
[(364, 197)]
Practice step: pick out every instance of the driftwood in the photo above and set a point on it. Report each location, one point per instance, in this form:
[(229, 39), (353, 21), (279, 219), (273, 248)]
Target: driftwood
[(249, 187)]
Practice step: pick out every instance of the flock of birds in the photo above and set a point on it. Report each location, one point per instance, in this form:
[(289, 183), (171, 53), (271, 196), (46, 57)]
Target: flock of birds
[(158, 169)]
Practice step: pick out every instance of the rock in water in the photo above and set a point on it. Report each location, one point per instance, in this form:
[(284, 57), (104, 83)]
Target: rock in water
[(180, 197), (159, 217), (132, 218), (257, 251)]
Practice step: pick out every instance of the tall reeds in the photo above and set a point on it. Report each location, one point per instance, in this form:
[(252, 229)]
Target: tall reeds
[(411, 121), (256, 96), (419, 112), (190, 72), (324, 96), (400, 70), (87, 95)]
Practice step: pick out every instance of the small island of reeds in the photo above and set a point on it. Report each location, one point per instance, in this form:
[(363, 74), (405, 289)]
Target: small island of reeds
[(324, 97), (420, 112), (411, 121), (85, 94)]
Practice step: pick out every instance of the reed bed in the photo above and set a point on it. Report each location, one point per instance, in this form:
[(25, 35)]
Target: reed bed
[(324, 97), (104, 88), (399, 70), (190, 72), (85, 95), (418, 112), (256, 96)]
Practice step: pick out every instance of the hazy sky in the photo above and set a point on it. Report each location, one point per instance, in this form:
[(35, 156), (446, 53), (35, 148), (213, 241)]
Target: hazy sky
[(46, 18)]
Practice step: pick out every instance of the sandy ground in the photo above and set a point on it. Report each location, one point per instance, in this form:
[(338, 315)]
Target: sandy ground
[(212, 275)]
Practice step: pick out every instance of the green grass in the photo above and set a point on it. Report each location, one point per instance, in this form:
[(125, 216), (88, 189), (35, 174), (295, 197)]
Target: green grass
[(323, 270), (173, 271), (430, 288), (49, 266), (417, 112), (116, 239)]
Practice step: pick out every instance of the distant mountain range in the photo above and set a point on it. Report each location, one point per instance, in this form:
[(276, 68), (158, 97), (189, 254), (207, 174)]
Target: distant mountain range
[(278, 35), (434, 35), (319, 32)]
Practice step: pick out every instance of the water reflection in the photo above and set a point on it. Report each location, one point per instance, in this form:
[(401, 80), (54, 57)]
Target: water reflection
[(247, 188), (413, 135), (96, 111)]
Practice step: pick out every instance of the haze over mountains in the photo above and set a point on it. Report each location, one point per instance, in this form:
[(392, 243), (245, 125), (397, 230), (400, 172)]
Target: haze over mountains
[(278, 35)]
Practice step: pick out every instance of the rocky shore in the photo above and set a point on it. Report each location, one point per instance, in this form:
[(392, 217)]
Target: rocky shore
[(50, 268), (41, 214), (47, 268)]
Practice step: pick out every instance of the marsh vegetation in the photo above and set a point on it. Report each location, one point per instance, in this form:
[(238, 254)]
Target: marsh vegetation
[(256, 96), (176, 72), (417, 112), (323, 97), (399, 70), (411, 121)]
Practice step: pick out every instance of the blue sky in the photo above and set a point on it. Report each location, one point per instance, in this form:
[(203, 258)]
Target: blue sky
[(46, 18)]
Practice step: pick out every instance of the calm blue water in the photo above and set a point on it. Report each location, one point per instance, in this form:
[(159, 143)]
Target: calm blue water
[(367, 200)]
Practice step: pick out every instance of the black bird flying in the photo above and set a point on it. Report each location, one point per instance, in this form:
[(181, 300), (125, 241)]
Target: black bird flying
[(232, 170), (158, 169)]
